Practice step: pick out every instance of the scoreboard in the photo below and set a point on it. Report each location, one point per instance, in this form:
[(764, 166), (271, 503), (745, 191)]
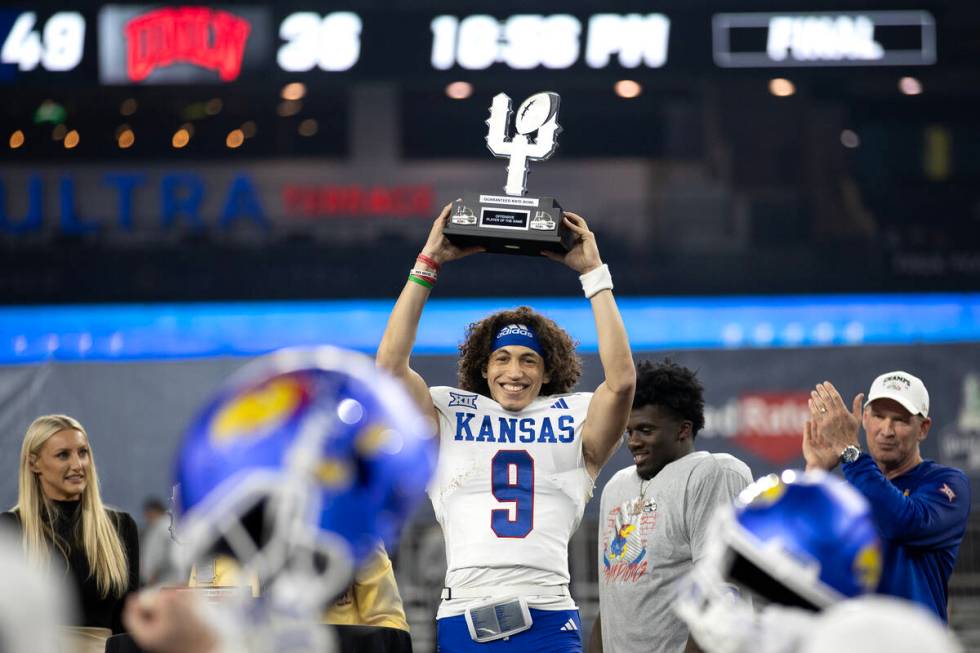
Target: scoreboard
[(136, 44), (557, 41), (53, 42)]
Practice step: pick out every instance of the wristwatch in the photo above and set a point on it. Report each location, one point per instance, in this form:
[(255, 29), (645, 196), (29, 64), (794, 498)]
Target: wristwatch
[(849, 454)]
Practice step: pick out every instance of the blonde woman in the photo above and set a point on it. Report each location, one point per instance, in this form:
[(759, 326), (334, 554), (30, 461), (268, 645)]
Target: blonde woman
[(66, 529)]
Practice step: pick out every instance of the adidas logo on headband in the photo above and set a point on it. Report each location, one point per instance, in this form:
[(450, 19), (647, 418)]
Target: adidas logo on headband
[(517, 334)]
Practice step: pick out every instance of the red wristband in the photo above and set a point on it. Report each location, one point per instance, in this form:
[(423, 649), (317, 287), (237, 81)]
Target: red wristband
[(428, 261)]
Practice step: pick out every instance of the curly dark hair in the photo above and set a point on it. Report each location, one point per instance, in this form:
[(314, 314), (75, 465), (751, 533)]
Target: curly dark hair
[(560, 360), (673, 387)]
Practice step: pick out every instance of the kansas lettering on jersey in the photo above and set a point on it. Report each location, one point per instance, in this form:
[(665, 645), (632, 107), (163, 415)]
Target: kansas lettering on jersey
[(512, 430), (509, 491)]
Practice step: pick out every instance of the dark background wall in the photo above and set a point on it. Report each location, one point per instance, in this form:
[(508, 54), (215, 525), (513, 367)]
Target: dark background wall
[(136, 412)]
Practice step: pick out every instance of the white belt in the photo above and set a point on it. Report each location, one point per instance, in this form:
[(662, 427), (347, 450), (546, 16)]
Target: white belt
[(448, 593)]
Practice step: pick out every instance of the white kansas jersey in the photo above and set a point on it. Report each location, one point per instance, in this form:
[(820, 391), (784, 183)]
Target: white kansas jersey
[(509, 491)]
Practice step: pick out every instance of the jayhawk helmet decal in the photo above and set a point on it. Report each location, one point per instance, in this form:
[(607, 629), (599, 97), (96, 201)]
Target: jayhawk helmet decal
[(303, 456), (801, 540), (809, 532)]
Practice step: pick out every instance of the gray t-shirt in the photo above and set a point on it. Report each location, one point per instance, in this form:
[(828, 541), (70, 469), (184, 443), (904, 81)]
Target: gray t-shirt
[(647, 543)]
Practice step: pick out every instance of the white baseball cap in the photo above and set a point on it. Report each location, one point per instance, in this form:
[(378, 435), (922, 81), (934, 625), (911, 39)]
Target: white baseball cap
[(904, 388)]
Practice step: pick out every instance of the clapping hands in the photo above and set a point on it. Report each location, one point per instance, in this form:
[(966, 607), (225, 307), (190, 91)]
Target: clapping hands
[(831, 428)]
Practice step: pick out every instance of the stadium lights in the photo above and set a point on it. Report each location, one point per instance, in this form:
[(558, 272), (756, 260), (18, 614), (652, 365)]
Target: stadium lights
[(627, 88), (128, 106), (781, 87), (71, 139), (910, 86), (308, 127), (58, 132), (51, 112), (248, 128), (125, 137), (180, 138), (459, 90), (288, 108), (849, 139), (16, 139), (293, 91), (235, 138), (213, 106)]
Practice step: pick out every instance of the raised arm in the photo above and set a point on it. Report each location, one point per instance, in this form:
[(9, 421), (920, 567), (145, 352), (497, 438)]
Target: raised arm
[(395, 350), (610, 406)]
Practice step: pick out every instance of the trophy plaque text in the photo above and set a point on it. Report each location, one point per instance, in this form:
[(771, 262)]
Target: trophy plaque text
[(515, 223)]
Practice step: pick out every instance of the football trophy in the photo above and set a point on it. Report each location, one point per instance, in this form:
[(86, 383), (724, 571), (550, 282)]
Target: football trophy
[(515, 223)]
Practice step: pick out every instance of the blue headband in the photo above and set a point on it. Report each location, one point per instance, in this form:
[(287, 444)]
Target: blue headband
[(517, 334)]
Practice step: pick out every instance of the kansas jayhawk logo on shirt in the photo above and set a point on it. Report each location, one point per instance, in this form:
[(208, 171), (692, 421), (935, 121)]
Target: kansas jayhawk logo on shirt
[(625, 536)]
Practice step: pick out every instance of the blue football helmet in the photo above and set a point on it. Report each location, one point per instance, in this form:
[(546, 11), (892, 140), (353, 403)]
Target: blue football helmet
[(799, 540), (298, 466)]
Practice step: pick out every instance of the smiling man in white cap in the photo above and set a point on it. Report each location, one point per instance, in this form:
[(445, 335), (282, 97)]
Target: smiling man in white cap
[(899, 399), (920, 507)]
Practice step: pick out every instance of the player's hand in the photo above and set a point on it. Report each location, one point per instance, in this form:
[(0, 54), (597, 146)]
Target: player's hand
[(584, 255), (438, 247), (168, 622)]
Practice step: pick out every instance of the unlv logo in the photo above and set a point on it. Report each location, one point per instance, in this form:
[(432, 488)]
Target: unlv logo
[(212, 39)]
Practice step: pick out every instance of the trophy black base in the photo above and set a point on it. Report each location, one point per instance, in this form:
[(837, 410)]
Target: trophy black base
[(509, 225)]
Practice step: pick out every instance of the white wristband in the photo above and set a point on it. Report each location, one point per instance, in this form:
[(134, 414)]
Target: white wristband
[(596, 281)]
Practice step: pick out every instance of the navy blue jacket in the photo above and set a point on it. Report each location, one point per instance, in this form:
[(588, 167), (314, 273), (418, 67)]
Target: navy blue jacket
[(921, 517)]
